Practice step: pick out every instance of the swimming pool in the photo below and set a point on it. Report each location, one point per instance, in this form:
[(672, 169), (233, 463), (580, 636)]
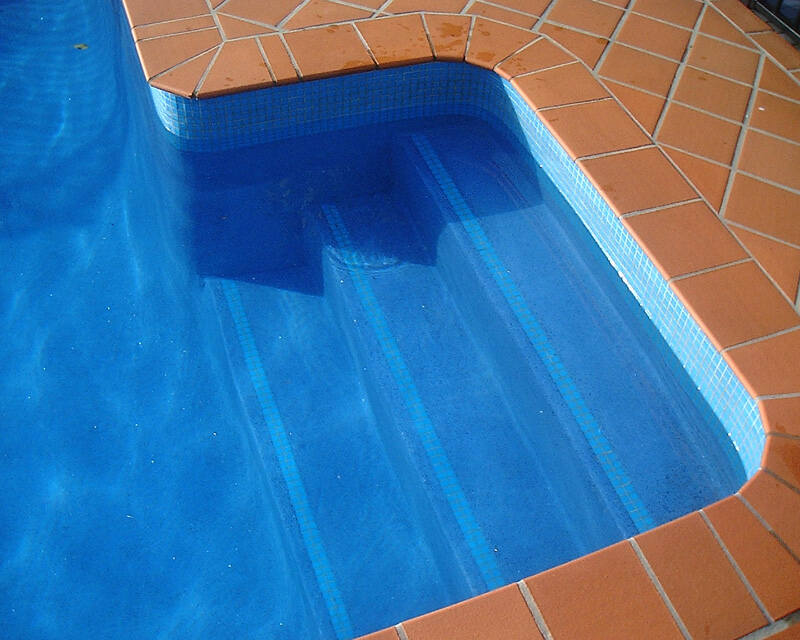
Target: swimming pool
[(172, 418)]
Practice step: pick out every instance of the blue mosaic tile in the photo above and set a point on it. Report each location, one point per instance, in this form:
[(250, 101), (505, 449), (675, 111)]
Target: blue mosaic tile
[(458, 89)]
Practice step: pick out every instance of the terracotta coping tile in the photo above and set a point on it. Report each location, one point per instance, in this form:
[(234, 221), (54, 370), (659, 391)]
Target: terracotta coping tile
[(645, 108), (724, 59), (497, 615), (771, 158), (447, 6), (174, 26), (654, 36), (777, 116), (238, 65), (585, 47), (563, 85), (385, 634), (781, 50), (768, 367), (536, 7), (622, 4), (237, 28), (767, 566), (764, 207), (745, 19), (639, 69), (585, 15), (319, 12), (780, 261), (591, 128), (699, 133), (327, 51), (278, 59), (149, 11), (735, 304), (491, 42), (712, 93), (603, 595), (542, 54), (775, 79), (448, 36), (708, 178), (714, 24), (160, 54), (778, 505), (397, 40), (627, 180), (680, 12), (182, 80), (781, 415), (503, 15), (270, 13), (782, 457), (699, 580), (684, 239), (371, 4)]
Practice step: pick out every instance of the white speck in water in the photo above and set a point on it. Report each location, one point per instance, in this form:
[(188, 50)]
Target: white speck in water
[(495, 549), (341, 281), (128, 515), (152, 461), (214, 433)]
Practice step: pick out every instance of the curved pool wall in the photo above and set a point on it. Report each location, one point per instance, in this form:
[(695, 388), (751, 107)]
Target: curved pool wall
[(441, 88)]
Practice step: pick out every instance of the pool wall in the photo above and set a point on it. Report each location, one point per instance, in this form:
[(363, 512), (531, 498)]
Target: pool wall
[(442, 88)]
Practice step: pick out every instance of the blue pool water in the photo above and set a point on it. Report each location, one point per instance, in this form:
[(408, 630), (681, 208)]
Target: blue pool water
[(264, 393)]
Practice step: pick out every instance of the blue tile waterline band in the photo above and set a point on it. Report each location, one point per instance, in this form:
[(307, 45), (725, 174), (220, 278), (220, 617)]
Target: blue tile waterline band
[(288, 466), (477, 543), (611, 464), (442, 88)]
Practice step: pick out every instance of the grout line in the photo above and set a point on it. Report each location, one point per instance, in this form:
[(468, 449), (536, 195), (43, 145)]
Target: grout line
[(694, 155), (427, 34), (737, 568), (742, 135), (535, 611), (291, 55), (301, 5), (171, 20), (769, 182), (401, 632), (248, 20), (657, 584), (763, 234), (606, 154), (612, 38), (466, 8), (555, 66), (536, 38), (770, 631), (179, 33), (700, 272), (210, 66), (782, 480), (766, 525), (775, 334), (266, 60), (510, 10), (222, 35), (777, 396), (787, 436), (584, 32), (469, 37), (676, 79), (776, 136), (797, 297), (762, 339), (366, 46), (662, 207), (570, 104), (183, 62), (382, 8), (543, 17)]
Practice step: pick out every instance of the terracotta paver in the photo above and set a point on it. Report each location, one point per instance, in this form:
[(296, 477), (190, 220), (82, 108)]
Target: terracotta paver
[(589, 67), (385, 634), (496, 615), (699, 580), (770, 570), (604, 595), (685, 239), (736, 304)]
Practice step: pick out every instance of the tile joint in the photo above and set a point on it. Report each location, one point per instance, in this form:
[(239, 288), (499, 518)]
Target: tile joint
[(535, 611)]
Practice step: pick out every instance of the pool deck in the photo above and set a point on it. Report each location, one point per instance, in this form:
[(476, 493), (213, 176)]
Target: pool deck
[(685, 114)]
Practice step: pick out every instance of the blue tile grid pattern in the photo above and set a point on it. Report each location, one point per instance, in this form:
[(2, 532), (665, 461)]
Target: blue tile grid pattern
[(458, 89)]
